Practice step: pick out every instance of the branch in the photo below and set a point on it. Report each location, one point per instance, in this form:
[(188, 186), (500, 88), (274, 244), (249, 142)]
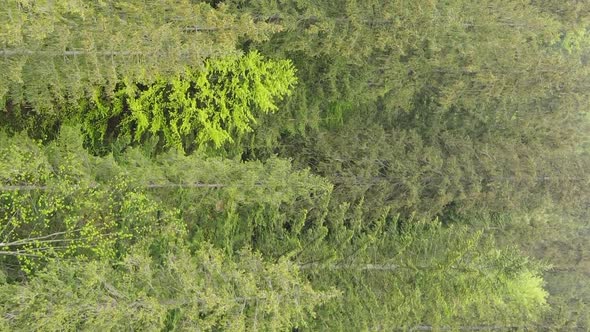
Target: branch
[(151, 185), (24, 241)]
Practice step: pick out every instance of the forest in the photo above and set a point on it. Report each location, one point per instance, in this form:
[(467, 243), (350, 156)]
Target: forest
[(294, 165)]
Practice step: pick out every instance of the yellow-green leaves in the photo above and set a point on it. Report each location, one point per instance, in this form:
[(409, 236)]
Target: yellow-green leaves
[(199, 109), (53, 205)]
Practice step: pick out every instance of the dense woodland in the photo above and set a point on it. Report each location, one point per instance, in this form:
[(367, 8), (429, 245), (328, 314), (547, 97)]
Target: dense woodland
[(294, 165)]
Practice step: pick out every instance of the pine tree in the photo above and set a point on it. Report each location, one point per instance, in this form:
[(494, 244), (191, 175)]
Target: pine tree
[(58, 197), (460, 112)]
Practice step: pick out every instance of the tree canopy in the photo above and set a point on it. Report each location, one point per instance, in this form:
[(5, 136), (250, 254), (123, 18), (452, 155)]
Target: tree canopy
[(294, 165)]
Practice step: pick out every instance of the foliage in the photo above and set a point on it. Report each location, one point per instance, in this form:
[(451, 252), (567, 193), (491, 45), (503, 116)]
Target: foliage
[(199, 108), (70, 193), (53, 207), (57, 50), (430, 163), (559, 238), (420, 273), (476, 106), (204, 290)]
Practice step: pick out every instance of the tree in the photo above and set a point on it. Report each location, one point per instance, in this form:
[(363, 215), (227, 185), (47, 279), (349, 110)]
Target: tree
[(58, 197), (204, 290), (559, 237), (53, 206), (463, 111), (424, 274), (57, 50), (199, 109), (572, 14)]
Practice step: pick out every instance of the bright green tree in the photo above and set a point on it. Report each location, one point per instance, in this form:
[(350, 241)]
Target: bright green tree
[(201, 108), (56, 50)]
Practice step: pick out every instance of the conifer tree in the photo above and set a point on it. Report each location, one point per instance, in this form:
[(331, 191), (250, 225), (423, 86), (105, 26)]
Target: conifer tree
[(421, 274), (58, 197), (199, 109), (204, 290), (559, 237), (56, 50)]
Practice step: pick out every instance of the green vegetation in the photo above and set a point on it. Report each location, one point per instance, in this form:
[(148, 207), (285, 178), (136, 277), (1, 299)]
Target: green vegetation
[(208, 106), (303, 165)]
